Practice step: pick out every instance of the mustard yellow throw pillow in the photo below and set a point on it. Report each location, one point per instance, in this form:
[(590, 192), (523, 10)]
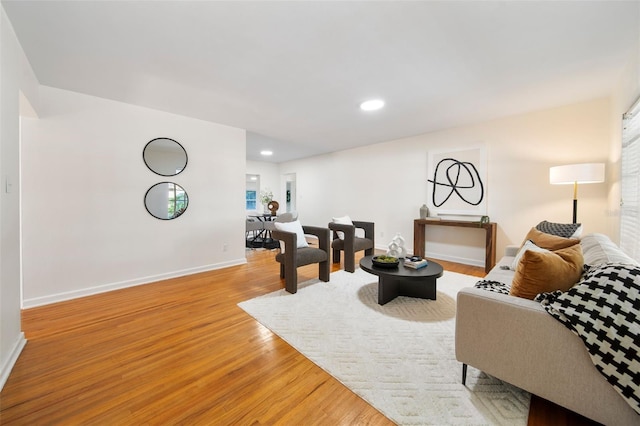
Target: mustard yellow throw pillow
[(540, 272), (549, 241)]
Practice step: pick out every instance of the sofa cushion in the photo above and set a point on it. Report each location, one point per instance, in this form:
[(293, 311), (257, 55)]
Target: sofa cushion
[(548, 241), (528, 245), (540, 272), (566, 230), (502, 271), (598, 249)]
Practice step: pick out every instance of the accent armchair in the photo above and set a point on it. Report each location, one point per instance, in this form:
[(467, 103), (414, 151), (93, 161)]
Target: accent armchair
[(351, 243), (293, 256)]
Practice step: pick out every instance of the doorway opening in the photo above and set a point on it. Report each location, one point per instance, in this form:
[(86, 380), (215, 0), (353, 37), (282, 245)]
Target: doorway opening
[(290, 192)]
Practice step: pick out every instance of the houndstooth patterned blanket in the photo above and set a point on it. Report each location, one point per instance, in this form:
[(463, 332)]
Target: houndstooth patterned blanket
[(603, 310), (491, 285)]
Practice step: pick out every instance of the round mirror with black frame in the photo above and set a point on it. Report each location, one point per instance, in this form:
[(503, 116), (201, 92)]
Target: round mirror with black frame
[(165, 156), (166, 200)]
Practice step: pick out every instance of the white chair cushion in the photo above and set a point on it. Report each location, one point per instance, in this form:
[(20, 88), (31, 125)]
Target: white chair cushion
[(344, 220), (294, 226)]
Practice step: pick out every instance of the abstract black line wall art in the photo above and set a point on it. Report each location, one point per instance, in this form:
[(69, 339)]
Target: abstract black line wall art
[(456, 181)]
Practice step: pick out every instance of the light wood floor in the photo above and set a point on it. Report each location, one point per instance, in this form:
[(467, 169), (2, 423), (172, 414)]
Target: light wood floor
[(181, 351)]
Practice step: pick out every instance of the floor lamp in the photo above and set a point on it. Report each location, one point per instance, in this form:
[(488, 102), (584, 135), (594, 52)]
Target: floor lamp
[(575, 174)]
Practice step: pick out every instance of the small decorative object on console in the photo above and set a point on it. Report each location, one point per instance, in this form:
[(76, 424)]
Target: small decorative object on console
[(424, 211), (415, 262)]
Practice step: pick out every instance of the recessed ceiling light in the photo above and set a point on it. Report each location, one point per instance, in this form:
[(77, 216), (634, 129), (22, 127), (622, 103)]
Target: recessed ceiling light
[(266, 152), (372, 105)]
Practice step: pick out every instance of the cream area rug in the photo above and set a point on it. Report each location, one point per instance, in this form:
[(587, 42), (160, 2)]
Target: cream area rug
[(399, 357)]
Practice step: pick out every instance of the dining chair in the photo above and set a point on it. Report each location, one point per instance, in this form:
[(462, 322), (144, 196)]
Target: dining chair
[(253, 230)]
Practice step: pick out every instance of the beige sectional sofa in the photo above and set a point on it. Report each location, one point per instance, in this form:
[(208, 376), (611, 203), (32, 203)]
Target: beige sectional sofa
[(516, 340)]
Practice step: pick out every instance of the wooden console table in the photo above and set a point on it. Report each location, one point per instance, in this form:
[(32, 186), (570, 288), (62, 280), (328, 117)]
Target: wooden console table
[(490, 244)]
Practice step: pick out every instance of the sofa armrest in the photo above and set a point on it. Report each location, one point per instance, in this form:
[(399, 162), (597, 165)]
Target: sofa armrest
[(491, 329), (511, 250)]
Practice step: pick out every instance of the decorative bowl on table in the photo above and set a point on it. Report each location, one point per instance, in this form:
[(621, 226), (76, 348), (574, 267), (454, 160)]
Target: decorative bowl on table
[(383, 261)]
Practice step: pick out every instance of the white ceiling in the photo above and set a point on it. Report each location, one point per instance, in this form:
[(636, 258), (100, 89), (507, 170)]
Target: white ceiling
[(293, 73)]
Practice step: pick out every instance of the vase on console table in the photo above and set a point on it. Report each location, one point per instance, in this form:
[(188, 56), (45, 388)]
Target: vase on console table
[(424, 211)]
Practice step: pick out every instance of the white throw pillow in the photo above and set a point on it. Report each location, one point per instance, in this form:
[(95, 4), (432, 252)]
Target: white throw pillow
[(578, 232), (344, 220), (528, 245), (294, 226)]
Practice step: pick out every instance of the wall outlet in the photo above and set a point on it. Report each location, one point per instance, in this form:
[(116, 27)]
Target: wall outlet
[(225, 246), (381, 234)]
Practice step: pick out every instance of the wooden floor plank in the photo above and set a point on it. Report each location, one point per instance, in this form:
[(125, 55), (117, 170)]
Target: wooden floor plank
[(181, 351)]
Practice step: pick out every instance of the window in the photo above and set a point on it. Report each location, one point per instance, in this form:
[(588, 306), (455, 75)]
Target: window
[(630, 182), (177, 201), (251, 200)]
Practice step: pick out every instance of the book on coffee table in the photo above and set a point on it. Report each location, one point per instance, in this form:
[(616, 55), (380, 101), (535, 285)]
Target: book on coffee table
[(415, 262)]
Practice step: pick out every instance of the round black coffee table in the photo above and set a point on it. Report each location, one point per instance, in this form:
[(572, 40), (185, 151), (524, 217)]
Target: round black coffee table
[(402, 281)]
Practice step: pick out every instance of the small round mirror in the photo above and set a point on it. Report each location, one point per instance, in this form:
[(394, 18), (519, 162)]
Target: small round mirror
[(166, 200), (165, 156)]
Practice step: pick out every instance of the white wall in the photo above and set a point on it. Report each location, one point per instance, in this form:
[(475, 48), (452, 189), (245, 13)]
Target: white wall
[(387, 182), (15, 76), (269, 180), (85, 227)]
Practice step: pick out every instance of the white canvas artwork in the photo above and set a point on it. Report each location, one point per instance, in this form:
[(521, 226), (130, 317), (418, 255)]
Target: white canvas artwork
[(457, 181)]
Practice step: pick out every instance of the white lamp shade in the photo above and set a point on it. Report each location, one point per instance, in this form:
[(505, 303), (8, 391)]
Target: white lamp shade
[(577, 173)]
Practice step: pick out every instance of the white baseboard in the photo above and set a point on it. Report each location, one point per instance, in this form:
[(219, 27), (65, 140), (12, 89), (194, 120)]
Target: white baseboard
[(69, 295), (437, 255), (456, 259), (7, 366)]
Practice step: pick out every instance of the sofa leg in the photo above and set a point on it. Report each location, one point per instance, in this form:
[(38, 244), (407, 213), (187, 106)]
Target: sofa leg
[(464, 374)]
